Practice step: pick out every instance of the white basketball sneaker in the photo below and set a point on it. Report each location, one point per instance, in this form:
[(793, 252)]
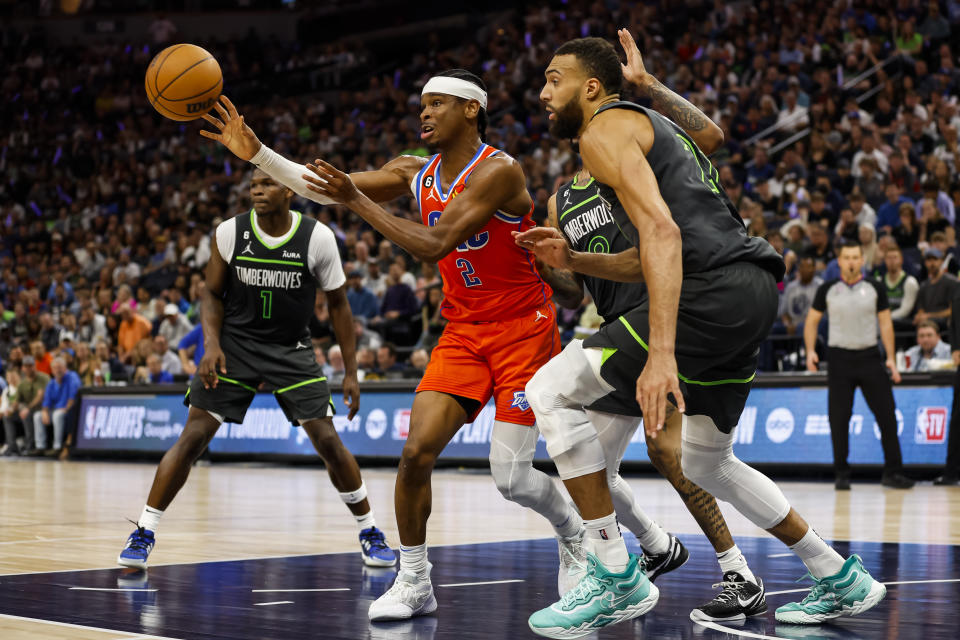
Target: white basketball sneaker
[(408, 597), (573, 562)]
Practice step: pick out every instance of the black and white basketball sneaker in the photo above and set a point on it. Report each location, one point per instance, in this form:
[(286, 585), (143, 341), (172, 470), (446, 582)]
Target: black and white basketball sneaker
[(739, 599), (656, 564)]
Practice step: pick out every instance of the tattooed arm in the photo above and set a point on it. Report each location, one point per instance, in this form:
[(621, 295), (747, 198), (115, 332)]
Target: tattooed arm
[(567, 286), (703, 130)]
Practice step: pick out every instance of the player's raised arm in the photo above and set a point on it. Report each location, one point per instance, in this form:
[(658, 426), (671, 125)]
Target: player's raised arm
[(614, 156), (387, 183), (703, 130), (497, 183)]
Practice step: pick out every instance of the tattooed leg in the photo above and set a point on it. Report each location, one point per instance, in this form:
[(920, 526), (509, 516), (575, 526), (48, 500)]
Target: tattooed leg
[(664, 453)]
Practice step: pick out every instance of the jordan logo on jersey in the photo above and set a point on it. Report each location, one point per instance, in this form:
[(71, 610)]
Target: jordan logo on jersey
[(248, 249), (539, 316), (520, 401), (566, 199)]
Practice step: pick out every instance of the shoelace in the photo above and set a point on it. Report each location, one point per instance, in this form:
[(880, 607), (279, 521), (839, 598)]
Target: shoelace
[(375, 539), (138, 541), (730, 590), (403, 590), (573, 551), (586, 587), (817, 591)]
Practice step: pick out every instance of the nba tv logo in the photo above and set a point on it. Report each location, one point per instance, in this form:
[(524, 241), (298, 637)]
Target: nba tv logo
[(931, 425)]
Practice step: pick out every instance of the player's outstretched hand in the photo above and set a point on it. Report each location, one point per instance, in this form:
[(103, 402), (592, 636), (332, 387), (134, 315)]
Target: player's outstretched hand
[(331, 182), (211, 365), (547, 244), (232, 132), (351, 394), (633, 72), (657, 380)]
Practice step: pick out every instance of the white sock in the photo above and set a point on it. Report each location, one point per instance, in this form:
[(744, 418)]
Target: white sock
[(604, 541), (651, 535), (414, 559), (366, 520), (572, 527), (732, 560), (150, 518), (821, 560)]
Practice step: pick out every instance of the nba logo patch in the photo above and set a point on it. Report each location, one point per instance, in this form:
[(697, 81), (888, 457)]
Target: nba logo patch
[(520, 401), (931, 425)]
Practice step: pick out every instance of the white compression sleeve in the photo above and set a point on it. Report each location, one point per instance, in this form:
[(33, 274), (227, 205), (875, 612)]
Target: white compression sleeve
[(286, 172)]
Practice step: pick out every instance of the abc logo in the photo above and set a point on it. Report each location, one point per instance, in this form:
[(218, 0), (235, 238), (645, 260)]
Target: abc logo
[(779, 425), (200, 107), (376, 424)]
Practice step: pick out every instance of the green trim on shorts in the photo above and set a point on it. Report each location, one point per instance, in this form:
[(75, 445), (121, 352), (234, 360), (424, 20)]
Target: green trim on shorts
[(268, 261), (187, 394), (301, 384), (236, 382), (607, 352), (711, 383)]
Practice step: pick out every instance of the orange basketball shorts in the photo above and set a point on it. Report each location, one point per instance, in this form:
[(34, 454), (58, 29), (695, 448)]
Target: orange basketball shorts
[(484, 359)]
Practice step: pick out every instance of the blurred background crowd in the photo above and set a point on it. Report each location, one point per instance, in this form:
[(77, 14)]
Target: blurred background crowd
[(840, 119)]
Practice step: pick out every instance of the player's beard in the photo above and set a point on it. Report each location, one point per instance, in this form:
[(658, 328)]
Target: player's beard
[(567, 120)]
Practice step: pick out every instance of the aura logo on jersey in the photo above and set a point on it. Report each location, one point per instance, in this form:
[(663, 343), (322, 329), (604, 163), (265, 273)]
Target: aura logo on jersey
[(779, 425)]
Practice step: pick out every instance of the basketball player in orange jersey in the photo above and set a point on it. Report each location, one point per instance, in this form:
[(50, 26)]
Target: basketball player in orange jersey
[(501, 322)]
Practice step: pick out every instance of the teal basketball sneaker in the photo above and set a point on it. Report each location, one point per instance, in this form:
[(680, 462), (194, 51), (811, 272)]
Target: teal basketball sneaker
[(600, 599), (848, 593)]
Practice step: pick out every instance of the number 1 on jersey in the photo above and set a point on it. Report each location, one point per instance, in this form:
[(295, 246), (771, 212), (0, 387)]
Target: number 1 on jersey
[(267, 297), (466, 270)]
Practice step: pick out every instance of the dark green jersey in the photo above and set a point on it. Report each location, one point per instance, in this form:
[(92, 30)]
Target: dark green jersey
[(270, 293), (712, 230), (585, 217)]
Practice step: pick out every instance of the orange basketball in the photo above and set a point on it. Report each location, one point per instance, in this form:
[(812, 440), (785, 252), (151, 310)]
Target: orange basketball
[(183, 82)]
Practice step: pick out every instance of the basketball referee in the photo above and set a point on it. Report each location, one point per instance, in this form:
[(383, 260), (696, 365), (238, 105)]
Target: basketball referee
[(854, 305)]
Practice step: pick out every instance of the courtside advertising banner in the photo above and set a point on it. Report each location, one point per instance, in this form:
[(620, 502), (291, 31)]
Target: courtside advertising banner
[(779, 425)]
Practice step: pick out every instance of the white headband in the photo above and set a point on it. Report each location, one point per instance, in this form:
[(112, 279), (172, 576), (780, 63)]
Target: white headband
[(455, 87)]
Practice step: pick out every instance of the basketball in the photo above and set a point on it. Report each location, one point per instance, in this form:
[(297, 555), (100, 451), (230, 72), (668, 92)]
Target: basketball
[(183, 82)]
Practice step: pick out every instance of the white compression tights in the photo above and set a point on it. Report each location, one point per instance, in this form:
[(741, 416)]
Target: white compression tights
[(707, 459), (581, 441), (511, 464)]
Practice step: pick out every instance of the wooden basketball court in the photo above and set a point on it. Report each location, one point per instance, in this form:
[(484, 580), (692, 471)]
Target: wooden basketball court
[(295, 570)]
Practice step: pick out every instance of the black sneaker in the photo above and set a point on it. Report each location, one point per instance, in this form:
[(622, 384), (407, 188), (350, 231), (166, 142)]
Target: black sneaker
[(842, 482), (738, 600), (947, 480), (896, 481), (655, 564)]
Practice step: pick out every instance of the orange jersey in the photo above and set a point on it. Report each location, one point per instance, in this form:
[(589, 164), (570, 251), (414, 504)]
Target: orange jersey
[(488, 277)]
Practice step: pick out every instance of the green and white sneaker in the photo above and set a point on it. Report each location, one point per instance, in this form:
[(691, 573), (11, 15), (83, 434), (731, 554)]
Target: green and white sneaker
[(848, 593), (601, 598)]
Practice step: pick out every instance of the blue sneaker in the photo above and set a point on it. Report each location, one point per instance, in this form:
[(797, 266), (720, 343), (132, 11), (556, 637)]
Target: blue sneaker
[(374, 549), (600, 599), (848, 593), (137, 550)]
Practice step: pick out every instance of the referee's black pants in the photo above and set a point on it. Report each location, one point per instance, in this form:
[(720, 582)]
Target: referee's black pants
[(952, 467), (863, 368)]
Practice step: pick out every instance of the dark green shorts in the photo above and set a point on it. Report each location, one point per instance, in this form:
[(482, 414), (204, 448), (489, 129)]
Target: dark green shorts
[(723, 317), (290, 371)]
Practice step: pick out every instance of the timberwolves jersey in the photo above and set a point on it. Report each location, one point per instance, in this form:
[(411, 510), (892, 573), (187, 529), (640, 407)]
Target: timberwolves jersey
[(585, 218), (713, 231), (270, 292)]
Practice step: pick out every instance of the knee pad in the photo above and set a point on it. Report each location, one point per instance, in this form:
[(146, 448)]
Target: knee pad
[(707, 459), (581, 459), (517, 482), (560, 390)]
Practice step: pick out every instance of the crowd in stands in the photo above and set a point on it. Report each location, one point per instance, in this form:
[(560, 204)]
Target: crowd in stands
[(840, 122)]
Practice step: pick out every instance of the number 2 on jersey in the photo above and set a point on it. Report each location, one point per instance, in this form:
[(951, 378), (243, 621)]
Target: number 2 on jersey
[(267, 297), (466, 270)]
